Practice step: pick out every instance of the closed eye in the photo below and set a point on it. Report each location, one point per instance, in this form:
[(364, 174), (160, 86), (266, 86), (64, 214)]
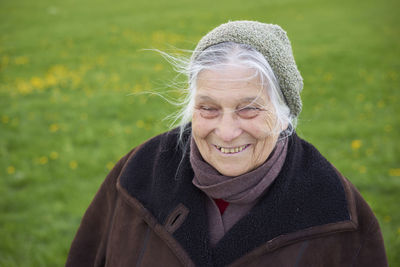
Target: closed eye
[(208, 112), (248, 112)]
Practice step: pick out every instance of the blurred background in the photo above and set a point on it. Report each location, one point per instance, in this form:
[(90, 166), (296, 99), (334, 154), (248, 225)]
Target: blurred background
[(67, 113)]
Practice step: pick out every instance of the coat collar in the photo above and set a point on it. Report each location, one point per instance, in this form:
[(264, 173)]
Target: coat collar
[(307, 199)]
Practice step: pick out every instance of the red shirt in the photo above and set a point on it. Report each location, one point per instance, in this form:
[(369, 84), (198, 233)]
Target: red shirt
[(222, 205)]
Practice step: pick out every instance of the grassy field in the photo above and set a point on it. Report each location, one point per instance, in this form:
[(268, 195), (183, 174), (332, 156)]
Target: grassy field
[(67, 69)]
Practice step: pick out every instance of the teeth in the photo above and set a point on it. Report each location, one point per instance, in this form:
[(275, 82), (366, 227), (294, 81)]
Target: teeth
[(231, 150)]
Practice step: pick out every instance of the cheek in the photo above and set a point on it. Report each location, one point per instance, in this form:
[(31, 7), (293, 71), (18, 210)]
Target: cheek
[(258, 129), (201, 127), (265, 125)]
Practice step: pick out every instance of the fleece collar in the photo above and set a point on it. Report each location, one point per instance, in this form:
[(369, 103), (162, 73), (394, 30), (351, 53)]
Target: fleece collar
[(307, 194)]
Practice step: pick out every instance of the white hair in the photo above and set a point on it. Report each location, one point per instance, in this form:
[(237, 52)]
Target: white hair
[(223, 55)]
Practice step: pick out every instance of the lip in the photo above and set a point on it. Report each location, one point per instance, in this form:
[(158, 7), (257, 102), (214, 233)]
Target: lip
[(231, 150)]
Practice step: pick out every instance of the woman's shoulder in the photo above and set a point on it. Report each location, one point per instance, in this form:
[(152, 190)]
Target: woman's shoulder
[(160, 156), (306, 162), (166, 141), (322, 183), (146, 154), (169, 143), (311, 167)]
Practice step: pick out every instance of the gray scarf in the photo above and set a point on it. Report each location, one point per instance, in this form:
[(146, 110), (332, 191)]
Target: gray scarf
[(243, 189)]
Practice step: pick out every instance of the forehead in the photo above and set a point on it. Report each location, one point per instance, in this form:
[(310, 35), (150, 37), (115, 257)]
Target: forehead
[(230, 83)]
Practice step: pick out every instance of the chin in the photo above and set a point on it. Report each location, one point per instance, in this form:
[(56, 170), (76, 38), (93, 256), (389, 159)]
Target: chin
[(231, 172)]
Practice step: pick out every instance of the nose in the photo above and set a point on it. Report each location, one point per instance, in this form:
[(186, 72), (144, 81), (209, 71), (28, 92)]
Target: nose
[(228, 127)]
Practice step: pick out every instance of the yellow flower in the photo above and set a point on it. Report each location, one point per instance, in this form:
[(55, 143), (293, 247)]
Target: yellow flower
[(110, 165), (43, 160), (4, 61), (128, 130), (381, 104), (369, 78), (356, 144), (388, 128), (394, 172), (140, 124), (24, 88), (328, 77), (10, 169), (115, 78), (50, 80), (369, 152), (398, 230), (58, 70), (114, 29), (363, 169), (158, 67), (64, 54), (360, 97), (158, 37), (15, 122), (362, 72), (31, 115), (393, 75), (65, 98), (54, 128), (88, 92), (73, 164), (100, 61), (174, 38), (317, 107), (137, 88), (143, 100), (76, 79), (5, 119), (84, 116), (54, 155), (387, 218), (21, 60), (37, 82)]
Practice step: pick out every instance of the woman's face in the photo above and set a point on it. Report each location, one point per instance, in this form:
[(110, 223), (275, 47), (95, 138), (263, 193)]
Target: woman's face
[(232, 120)]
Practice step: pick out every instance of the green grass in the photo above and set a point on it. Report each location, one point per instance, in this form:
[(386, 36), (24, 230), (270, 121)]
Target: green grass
[(66, 69)]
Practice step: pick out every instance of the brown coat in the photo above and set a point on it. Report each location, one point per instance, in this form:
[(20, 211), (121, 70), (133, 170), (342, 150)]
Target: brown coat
[(148, 213)]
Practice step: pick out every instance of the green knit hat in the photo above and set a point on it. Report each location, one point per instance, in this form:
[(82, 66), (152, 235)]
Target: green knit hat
[(271, 41)]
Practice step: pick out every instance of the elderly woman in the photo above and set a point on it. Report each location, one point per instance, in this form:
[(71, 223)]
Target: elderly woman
[(235, 186)]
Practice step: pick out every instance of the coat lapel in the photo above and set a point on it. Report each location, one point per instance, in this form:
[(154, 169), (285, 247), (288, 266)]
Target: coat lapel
[(160, 177)]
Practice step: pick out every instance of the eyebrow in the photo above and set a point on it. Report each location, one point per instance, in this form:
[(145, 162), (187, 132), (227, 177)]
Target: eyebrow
[(245, 99), (250, 99), (204, 98)]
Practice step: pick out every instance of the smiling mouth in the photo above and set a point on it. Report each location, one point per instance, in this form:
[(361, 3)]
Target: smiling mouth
[(232, 150)]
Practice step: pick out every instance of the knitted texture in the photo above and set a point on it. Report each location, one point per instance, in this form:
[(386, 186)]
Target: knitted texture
[(272, 42)]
